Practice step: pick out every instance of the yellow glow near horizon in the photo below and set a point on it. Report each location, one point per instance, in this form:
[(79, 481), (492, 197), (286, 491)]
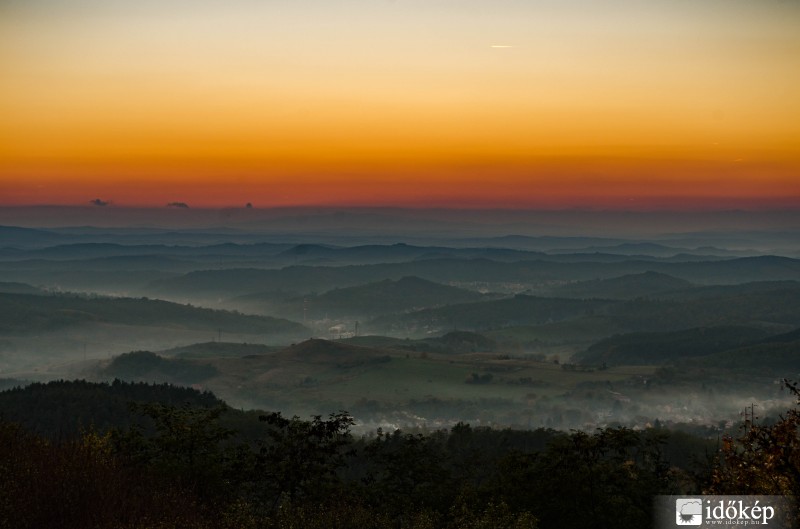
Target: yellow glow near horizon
[(657, 99)]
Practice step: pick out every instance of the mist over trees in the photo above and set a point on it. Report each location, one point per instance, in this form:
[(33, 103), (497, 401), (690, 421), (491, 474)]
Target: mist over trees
[(198, 378), (203, 464)]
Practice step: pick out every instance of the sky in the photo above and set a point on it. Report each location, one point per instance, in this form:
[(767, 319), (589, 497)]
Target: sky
[(638, 104)]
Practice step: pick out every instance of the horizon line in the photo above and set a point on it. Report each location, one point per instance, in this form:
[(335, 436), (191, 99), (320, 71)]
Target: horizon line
[(642, 208)]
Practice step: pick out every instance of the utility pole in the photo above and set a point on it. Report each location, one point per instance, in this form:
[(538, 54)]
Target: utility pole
[(750, 419)]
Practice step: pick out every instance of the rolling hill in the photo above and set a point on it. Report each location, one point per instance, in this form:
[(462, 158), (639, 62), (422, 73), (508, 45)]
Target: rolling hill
[(624, 287), (19, 288), (778, 356), (146, 366), (775, 307), (523, 274), (369, 300), (25, 313), (485, 315), (654, 348)]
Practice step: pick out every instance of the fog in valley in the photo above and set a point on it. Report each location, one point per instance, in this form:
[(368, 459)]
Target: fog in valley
[(415, 318)]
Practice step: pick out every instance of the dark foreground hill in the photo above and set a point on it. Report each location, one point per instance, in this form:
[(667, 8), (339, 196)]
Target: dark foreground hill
[(190, 469), (65, 408)]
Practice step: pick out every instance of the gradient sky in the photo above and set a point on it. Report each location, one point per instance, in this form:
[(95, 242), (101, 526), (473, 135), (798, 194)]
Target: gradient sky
[(477, 103)]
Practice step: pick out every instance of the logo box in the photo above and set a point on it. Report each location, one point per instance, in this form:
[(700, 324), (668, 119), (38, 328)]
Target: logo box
[(689, 511), (773, 512)]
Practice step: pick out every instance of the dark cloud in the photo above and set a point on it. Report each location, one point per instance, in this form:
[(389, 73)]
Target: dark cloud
[(177, 205)]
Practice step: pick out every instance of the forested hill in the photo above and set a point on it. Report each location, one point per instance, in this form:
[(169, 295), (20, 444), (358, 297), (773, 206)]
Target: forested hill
[(625, 287), (306, 279), (24, 313), (62, 408), (19, 288), (382, 297), (189, 470), (776, 304), (650, 348), (744, 349)]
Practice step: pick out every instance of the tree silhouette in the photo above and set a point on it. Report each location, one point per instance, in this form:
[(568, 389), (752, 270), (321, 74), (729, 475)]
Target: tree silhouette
[(764, 459), (299, 459)]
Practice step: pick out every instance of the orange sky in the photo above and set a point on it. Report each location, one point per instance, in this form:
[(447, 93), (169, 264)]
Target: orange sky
[(425, 102)]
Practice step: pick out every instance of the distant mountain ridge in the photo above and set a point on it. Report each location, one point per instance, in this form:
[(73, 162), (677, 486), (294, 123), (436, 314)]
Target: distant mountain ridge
[(89, 250), (14, 236), (623, 287), (318, 278)]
